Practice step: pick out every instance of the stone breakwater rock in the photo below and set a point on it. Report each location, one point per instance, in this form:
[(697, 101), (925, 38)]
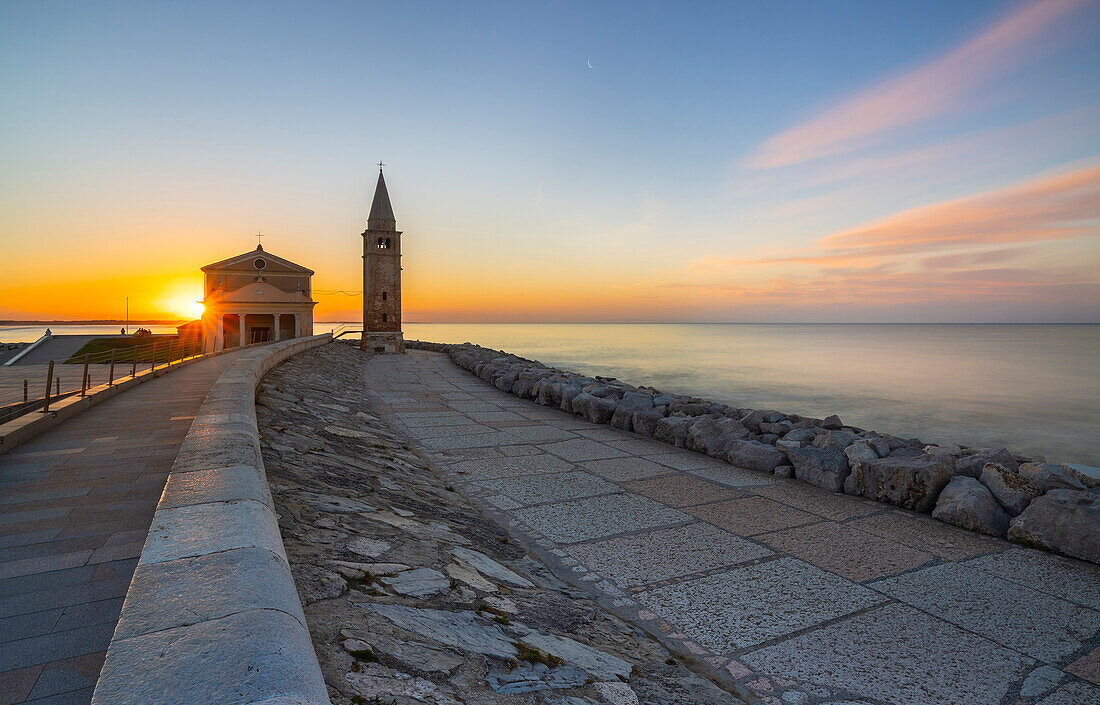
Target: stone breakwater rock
[(825, 467), (1066, 521), (1050, 477), (632, 403), (902, 471), (754, 455), (1011, 490), (911, 482), (711, 434), (967, 503)]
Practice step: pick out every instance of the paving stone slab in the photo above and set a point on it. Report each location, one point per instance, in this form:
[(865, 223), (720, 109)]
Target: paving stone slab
[(581, 449), (648, 558), (626, 469), (494, 468), (683, 460), (1066, 578), (927, 534), (538, 434), (197, 530), (682, 490), (1073, 694), (1031, 622), (899, 655), (812, 499), (191, 590), (596, 517), (733, 476), (240, 659), (536, 489), (1087, 667), (723, 611), (750, 516), (846, 551)]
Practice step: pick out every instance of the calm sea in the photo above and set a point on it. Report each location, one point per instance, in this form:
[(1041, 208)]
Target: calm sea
[(1030, 388)]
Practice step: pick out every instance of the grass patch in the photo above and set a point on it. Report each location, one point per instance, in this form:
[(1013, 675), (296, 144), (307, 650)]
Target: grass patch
[(530, 654), (100, 349)]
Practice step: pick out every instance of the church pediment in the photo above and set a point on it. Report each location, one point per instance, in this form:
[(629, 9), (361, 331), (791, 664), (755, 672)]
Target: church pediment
[(257, 260), (258, 292)]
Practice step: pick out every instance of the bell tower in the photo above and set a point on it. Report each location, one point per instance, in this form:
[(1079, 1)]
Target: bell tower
[(382, 276)]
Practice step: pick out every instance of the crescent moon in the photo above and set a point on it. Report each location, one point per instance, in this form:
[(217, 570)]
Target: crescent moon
[(590, 64)]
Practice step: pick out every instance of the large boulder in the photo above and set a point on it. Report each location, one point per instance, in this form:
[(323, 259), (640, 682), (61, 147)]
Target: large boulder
[(673, 430), (569, 392), (645, 421), (860, 452), (967, 503), (631, 403), (832, 423), (1087, 474), (909, 481), (1011, 490), (972, 462), (1050, 477), (593, 408), (826, 468), (711, 434), (835, 439), (754, 455), (1066, 521)]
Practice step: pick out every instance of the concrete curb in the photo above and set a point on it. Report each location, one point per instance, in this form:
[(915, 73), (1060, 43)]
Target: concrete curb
[(212, 614), (23, 428)]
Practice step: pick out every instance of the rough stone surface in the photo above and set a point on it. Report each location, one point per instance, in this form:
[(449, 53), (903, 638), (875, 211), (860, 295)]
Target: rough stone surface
[(381, 500), (1012, 491), (968, 503), (754, 455), (1066, 521), (825, 467), (910, 482)]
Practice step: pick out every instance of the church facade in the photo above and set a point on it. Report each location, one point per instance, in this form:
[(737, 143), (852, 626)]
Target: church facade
[(255, 297), (382, 276)]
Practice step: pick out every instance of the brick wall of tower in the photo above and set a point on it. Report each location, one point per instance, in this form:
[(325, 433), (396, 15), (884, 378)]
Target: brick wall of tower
[(381, 276)]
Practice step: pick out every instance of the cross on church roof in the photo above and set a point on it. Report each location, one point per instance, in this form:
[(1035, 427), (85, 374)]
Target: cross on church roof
[(258, 236)]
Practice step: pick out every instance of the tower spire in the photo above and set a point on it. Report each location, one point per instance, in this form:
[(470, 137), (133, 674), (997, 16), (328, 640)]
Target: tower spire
[(381, 212)]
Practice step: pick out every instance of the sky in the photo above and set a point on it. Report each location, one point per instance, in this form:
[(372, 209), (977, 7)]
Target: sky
[(777, 161)]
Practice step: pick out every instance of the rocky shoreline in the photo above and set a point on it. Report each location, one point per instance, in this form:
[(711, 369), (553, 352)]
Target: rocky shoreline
[(411, 594), (989, 490)]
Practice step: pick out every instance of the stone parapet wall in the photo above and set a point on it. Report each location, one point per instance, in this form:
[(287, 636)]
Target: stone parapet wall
[(991, 490), (212, 614)]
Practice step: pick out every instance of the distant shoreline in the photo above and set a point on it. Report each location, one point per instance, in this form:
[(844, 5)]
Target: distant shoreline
[(95, 322)]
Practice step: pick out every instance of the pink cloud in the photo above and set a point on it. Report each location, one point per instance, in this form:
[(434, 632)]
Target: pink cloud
[(1045, 208), (926, 92)]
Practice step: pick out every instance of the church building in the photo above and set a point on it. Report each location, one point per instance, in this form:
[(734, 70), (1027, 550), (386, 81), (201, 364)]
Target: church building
[(382, 276), (255, 297)]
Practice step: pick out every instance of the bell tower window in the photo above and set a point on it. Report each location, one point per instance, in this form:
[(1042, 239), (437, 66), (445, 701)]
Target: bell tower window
[(383, 296), (383, 243), (385, 318)]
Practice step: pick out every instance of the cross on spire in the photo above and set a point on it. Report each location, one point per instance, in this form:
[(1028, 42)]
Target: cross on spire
[(259, 245), (380, 165)]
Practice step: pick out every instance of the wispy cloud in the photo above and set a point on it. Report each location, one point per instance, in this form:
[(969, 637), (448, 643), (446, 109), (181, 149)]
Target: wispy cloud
[(928, 91), (1045, 208)]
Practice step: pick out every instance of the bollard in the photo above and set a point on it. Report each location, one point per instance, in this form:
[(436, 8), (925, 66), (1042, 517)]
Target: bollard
[(84, 379), (153, 365), (111, 374), (133, 366), (49, 383)]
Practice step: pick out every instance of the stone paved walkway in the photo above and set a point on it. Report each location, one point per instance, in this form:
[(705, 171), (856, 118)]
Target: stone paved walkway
[(75, 508), (775, 582)]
